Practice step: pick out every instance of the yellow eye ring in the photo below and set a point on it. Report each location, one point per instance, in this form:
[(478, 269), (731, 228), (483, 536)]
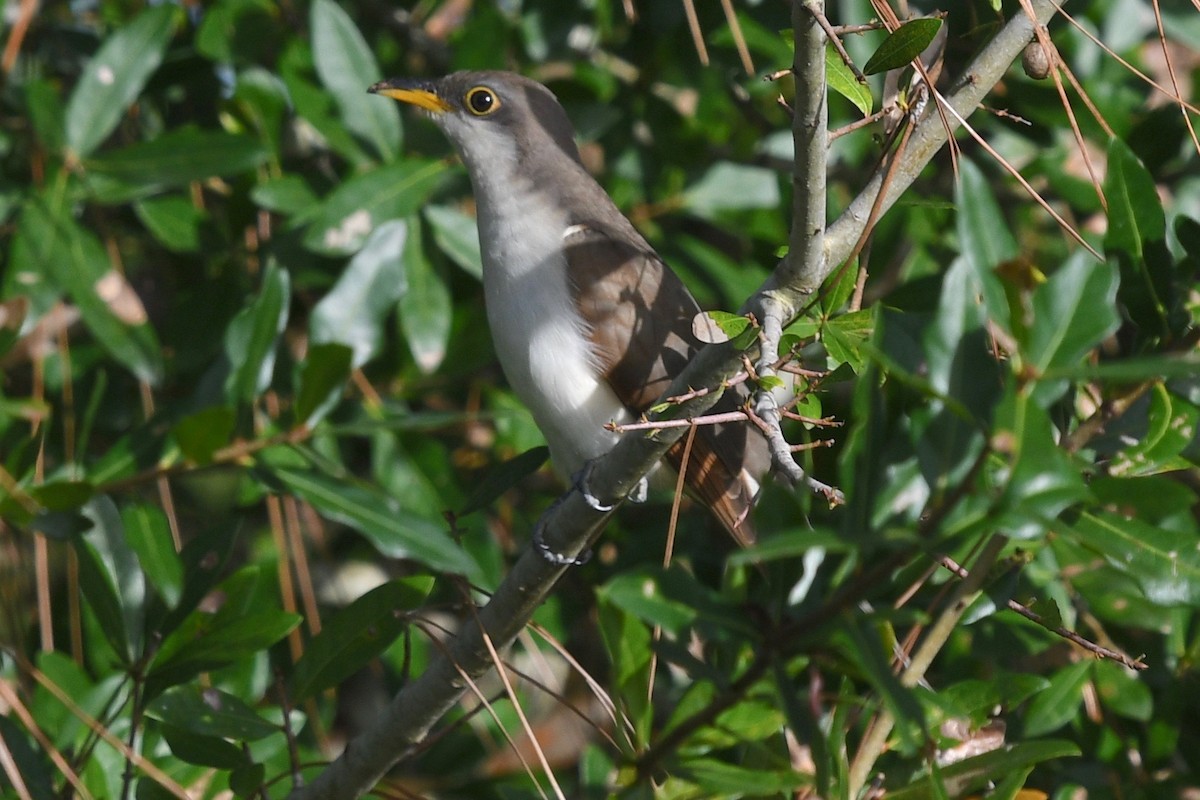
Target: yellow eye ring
[(481, 101)]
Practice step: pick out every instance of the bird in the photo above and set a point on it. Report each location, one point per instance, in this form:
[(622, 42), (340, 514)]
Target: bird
[(589, 324)]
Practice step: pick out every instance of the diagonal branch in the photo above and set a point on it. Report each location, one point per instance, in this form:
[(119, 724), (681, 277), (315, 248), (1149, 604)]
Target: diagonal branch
[(572, 524)]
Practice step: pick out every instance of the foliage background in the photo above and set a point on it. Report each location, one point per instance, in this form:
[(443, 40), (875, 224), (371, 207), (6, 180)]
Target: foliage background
[(246, 379)]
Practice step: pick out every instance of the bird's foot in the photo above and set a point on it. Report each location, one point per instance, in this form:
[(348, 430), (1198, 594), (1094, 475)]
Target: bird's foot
[(554, 557), (637, 494)]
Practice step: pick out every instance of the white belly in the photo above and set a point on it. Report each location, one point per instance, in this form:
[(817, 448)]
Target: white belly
[(543, 345)]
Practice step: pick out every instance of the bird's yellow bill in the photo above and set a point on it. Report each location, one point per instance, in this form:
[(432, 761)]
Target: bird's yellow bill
[(412, 94)]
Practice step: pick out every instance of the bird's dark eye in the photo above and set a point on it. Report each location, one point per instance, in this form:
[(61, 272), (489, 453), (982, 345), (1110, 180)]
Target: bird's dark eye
[(481, 101)]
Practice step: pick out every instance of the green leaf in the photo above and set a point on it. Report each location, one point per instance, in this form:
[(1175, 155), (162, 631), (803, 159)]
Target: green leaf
[(843, 81), (289, 194), (864, 646), (205, 641), (1072, 313), (354, 310), (206, 751), (984, 237), (50, 243), (425, 309), (1135, 213), (118, 568), (1170, 428), (357, 634), (115, 75), (1131, 370), (360, 205), (347, 67), (903, 45), (1042, 481), (732, 187), (1165, 563), (322, 379), (970, 774), (210, 712), (1059, 703), (641, 595), (627, 642), (721, 779), (395, 532), (203, 433), (251, 336), (1120, 690), (173, 220), (503, 477), (30, 764), (844, 336), (175, 158), (457, 235), (149, 535)]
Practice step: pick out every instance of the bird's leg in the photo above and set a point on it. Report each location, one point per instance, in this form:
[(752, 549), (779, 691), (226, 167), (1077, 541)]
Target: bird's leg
[(544, 549)]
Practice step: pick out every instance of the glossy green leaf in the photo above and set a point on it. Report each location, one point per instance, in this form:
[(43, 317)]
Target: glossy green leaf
[(963, 777), (714, 778), (289, 194), (726, 186), (173, 159), (457, 235), (1165, 563), (395, 532), (1135, 213), (503, 477), (1042, 480), (50, 244), (984, 237), (355, 309), (1122, 691), (844, 336), (100, 592), (347, 68), (628, 645), (149, 536), (210, 712), (357, 207), (36, 772), (641, 595), (425, 308), (843, 81), (1170, 428), (115, 75), (251, 337), (108, 544), (1059, 703), (357, 634), (1072, 313), (174, 220), (207, 751), (903, 45), (203, 433), (322, 380), (205, 641)]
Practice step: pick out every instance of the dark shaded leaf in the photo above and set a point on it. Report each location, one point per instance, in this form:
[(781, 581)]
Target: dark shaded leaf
[(251, 336), (357, 634), (322, 379), (903, 45), (207, 751), (503, 477), (984, 237), (203, 433), (958, 780), (149, 535), (210, 712)]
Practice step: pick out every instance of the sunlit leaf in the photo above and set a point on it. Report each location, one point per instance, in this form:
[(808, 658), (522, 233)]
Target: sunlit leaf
[(115, 75), (903, 45)]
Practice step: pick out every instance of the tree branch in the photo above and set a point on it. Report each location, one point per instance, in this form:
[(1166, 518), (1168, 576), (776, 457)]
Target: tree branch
[(572, 524)]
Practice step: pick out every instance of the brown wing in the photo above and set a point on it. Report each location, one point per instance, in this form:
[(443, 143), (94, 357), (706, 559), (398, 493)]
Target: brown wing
[(639, 316)]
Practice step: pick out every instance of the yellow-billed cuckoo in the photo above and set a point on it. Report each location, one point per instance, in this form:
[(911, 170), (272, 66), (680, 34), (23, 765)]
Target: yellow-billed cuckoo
[(589, 325)]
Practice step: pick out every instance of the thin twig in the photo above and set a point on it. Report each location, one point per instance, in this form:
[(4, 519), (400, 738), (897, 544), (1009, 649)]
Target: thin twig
[(1070, 635)]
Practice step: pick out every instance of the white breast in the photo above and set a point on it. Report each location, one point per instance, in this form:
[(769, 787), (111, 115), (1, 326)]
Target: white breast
[(539, 336)]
